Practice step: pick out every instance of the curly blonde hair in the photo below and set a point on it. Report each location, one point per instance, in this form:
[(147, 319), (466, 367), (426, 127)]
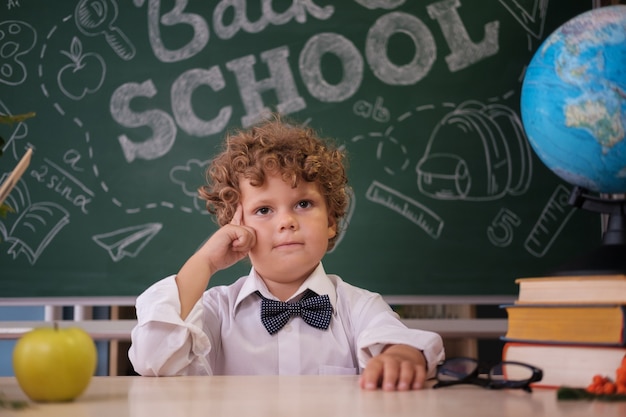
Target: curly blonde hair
[(276, 147)]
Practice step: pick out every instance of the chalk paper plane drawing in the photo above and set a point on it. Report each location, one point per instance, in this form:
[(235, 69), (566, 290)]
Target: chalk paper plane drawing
[(127, 242), (35, 225)]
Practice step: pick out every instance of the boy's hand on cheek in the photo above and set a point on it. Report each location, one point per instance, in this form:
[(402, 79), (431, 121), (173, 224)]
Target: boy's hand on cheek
[(398, 367), (230, 243)]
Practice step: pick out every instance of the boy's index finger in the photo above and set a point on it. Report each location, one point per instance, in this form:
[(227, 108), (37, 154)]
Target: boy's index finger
[(237, 219)]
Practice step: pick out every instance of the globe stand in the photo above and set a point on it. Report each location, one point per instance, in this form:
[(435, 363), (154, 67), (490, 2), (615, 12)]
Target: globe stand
[(610, 257)]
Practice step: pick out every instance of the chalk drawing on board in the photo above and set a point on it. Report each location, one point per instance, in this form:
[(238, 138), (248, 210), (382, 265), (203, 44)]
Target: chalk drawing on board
[(97, 17), (531, 14), (380, 4), (83, 74), (17, 39), (19, 132), (64, 184), (127, 242), (553, 218), (410, 209), (33, 225), (95, 71), (500, 232), (376, 111), (505, 165), (187, 177), (389, 151)]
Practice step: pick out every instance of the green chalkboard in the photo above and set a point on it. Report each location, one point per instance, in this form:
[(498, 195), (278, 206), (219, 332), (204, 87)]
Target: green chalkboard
[(133, 98)]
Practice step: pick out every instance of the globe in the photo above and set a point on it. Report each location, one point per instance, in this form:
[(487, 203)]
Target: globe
[(573, 101)]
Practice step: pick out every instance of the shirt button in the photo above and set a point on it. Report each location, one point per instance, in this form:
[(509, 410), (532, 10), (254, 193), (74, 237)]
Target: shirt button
[(287, 328)]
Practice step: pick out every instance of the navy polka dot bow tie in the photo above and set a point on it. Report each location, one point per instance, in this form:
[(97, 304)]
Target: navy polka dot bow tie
[(315, 310)]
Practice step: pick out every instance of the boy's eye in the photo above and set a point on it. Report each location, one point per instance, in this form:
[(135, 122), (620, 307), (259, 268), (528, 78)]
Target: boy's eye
[(263, 211), (304, 204)]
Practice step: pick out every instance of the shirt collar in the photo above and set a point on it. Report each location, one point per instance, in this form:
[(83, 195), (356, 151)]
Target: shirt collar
[(318, 281)]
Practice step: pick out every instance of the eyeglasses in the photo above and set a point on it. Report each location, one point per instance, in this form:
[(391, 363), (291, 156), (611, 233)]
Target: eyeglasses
[(462, 370)]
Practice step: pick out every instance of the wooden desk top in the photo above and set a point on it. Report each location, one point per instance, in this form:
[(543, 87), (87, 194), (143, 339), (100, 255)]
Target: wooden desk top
[(278, 396)]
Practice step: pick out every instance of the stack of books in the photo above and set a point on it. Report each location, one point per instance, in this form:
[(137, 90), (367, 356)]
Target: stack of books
[(571, 327)]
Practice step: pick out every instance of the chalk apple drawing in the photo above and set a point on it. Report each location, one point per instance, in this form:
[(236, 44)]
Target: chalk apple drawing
[(83, 75)]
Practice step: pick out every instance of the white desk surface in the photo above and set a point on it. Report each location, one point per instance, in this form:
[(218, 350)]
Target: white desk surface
[(315, 396)]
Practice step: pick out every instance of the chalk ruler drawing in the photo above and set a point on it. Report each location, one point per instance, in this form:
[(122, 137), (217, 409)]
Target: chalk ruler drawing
[(555, 215), (407, 207)]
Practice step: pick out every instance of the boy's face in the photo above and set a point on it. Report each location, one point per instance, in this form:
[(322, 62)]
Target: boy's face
[(292, 228)]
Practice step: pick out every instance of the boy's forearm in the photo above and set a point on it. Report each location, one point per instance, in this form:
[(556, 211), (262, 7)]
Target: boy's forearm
[(192, 280)]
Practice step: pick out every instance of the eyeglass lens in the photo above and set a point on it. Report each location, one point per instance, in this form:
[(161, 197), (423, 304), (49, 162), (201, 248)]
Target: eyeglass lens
[(502, 374), (456, 369), (510, 372)]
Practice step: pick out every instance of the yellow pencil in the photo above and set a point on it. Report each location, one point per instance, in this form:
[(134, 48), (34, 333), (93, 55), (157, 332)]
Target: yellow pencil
[(14, 177)]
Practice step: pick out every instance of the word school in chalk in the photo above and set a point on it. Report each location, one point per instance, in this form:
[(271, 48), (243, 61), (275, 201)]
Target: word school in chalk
[(463, 53)]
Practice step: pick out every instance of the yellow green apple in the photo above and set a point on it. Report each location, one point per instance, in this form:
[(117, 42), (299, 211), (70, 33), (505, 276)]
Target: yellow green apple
[(54, 364)]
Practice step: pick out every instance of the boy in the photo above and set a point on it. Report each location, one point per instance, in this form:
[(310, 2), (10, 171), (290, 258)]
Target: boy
[(278, 193)]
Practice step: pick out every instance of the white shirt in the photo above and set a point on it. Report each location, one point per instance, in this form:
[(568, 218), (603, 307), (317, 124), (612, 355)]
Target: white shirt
[(223, 334)]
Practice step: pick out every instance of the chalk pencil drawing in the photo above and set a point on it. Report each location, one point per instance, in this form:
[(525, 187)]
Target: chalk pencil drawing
[(17, 39), (33, 226), (128, 241), (97, 17)]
